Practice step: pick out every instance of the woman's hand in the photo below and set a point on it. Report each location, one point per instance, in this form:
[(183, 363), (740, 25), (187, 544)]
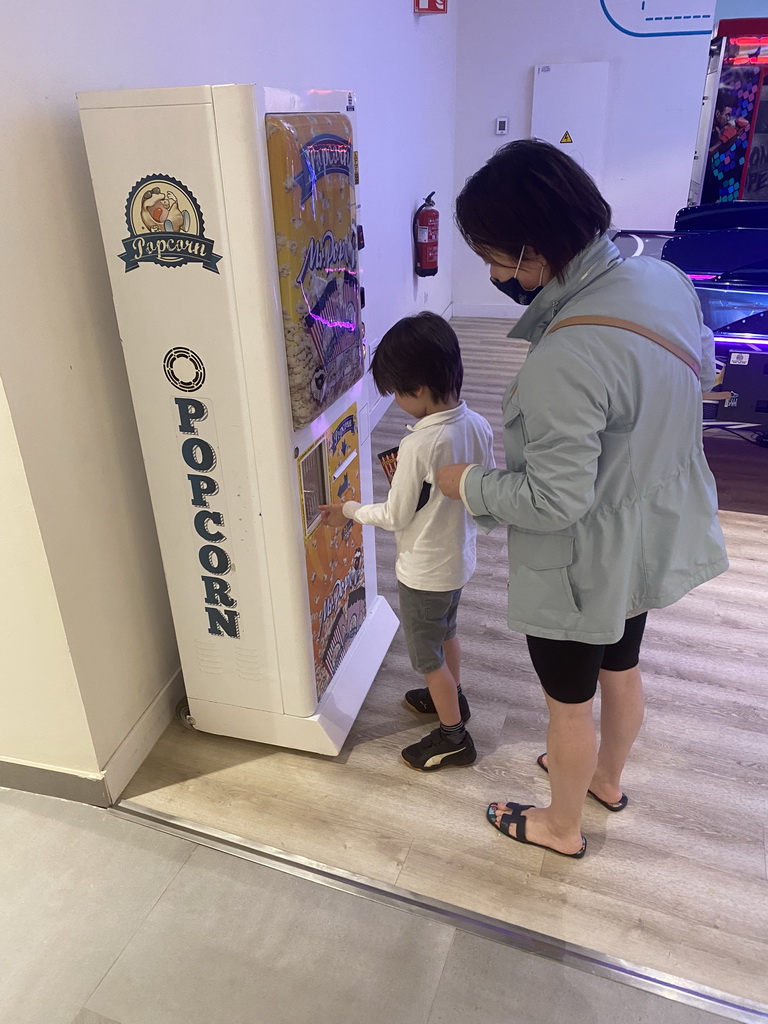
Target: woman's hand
[(332, 515), (449, 478)]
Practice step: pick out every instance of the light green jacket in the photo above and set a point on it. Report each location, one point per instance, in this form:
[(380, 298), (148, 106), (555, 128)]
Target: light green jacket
[(610, 504)]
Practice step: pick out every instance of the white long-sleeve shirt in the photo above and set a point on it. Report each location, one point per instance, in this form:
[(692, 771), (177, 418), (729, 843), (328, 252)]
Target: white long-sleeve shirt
[(436, 544)]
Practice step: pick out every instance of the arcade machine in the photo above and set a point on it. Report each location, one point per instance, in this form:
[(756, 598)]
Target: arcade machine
[(721, 239), (731, 160), (229, 221), (724, 250)]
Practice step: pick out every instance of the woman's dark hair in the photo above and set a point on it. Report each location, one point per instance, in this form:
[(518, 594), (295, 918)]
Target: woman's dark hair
[(530, 193), (420, 350)]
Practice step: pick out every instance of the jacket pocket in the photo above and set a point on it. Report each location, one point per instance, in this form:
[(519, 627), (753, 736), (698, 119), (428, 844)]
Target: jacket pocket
[(515, 438), (538, 573), (510, 410), (510, 393)]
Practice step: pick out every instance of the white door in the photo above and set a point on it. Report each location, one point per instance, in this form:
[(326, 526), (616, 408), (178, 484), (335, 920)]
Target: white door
[(569, 110)]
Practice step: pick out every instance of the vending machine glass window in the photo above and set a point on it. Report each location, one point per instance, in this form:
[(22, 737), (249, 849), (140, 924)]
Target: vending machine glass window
[(314, 485)]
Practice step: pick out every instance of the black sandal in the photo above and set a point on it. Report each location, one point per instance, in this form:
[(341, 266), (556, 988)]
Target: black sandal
[(517, 818), (619, 806)]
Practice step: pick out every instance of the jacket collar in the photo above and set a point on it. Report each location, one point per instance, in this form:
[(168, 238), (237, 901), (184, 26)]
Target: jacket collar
[(597, 259), (447, 416)]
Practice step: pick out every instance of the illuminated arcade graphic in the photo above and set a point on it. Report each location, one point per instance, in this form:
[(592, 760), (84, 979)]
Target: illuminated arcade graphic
[(736, 157), (313, 196), (729, 139), (756, 183)]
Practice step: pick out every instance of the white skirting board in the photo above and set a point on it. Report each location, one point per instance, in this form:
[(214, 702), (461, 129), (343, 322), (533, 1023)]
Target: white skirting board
[(103, 788), (130, 755)]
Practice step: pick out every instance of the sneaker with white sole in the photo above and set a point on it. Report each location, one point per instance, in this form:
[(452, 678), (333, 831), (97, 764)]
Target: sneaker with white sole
[(435, 751), (421, 702)]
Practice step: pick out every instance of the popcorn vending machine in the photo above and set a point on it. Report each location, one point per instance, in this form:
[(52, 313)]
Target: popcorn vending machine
[(229, 220)]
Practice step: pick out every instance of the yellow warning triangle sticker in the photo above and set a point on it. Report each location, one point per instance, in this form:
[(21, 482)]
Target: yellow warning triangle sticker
[(566, 138)]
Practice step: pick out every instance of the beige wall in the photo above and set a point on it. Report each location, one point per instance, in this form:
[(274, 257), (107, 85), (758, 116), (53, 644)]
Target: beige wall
[(43, 719), (60, 356)]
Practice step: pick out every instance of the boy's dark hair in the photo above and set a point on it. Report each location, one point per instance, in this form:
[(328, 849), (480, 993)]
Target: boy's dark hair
[(419, 350), (530, 193)]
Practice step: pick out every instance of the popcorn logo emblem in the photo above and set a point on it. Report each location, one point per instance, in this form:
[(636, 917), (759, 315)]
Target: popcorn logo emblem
[(166, 226)]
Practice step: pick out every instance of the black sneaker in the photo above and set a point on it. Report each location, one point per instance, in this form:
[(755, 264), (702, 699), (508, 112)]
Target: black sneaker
[(435, 752), (421, 702)]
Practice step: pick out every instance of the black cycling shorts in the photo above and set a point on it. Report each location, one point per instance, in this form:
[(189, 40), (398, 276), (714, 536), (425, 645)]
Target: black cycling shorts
[(568, 669)]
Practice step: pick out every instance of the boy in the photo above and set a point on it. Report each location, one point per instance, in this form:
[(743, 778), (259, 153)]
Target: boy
[(419, 361)]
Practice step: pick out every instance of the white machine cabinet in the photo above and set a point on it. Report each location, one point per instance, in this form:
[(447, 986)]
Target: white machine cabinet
[(229, 219)]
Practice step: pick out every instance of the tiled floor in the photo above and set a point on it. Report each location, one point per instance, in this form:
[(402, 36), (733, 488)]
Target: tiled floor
[(103, 921)]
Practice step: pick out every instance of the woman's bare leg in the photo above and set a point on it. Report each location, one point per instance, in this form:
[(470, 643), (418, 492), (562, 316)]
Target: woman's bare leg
[(622, 708), (572, 757)]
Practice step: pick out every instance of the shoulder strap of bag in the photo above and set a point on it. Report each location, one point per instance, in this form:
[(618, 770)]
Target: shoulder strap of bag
[(628, 325)]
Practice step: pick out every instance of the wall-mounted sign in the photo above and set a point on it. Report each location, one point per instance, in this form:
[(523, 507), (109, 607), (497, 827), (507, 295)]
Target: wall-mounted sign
[(430, 6)]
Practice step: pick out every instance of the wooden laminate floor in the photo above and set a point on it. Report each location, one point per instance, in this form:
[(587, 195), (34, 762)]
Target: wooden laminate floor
[(741, 471), (676, 883)]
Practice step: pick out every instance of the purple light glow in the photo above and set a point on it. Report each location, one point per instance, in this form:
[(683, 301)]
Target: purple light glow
[(702, 277), (752, 339), (328, 323)]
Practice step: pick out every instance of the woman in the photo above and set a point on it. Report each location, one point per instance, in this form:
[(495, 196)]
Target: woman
[(610, 506)]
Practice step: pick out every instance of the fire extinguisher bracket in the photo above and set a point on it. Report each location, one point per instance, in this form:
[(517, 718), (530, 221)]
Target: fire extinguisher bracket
[(426, 222)]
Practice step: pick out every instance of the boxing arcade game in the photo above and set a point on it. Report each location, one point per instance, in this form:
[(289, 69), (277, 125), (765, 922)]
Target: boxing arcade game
[(731, 160), (229, 221)]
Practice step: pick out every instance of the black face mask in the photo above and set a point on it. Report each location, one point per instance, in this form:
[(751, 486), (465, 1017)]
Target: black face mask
[(514, 290)]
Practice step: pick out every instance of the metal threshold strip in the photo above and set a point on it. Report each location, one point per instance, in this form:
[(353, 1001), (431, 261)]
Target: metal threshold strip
[(566, 953)]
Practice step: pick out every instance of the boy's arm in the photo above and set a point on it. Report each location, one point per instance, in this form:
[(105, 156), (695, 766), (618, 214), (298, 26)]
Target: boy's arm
[(400, 507)]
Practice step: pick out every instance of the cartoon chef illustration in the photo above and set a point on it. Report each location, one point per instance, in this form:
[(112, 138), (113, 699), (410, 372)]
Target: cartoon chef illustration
[(160, 211)]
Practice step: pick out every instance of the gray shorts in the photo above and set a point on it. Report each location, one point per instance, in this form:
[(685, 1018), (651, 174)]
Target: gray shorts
[(428, 619)]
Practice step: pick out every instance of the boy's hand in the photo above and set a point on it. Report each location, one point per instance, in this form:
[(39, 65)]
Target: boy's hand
[(449, 478), (332, 514)]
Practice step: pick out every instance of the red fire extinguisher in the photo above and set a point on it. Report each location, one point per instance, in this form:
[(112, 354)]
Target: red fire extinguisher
[(425, 230)]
